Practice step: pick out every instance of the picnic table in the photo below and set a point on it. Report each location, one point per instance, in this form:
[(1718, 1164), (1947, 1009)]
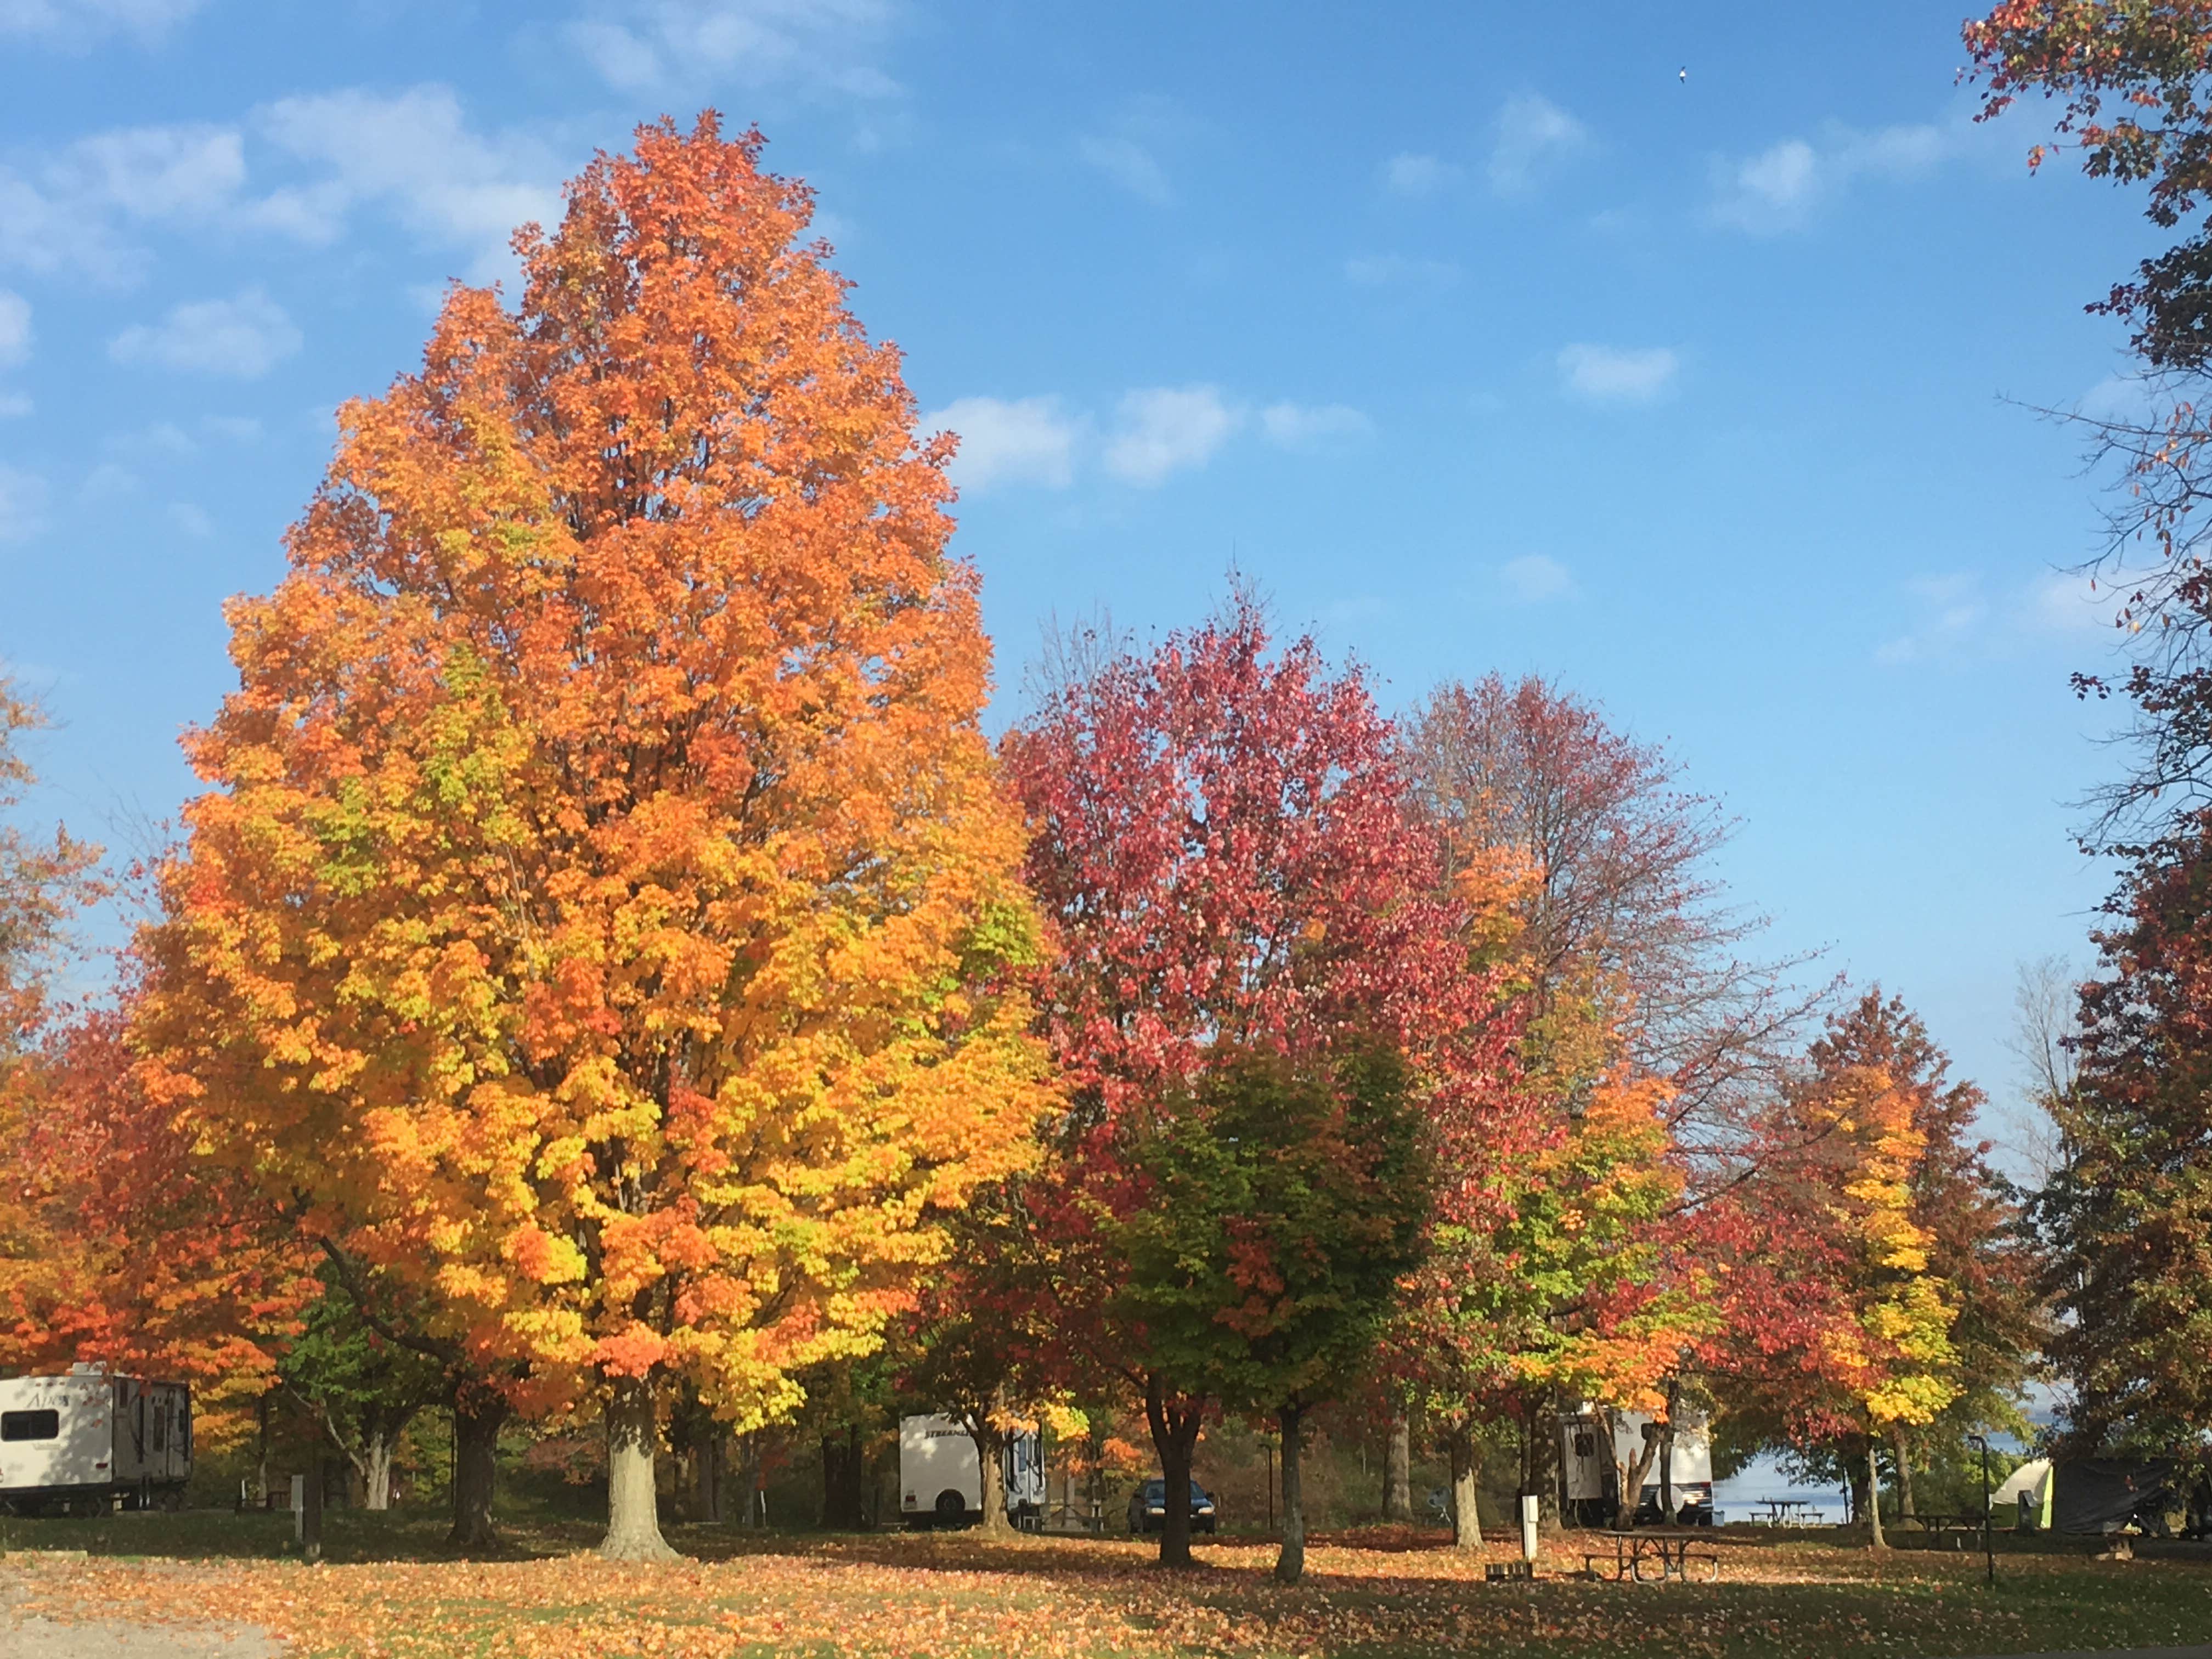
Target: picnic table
[(1957, 1525), (1947, 1521), (1785, 1511), (1652, 1556)]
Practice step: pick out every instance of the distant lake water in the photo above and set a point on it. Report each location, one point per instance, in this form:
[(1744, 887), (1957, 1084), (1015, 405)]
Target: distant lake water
[(1737, 1497)]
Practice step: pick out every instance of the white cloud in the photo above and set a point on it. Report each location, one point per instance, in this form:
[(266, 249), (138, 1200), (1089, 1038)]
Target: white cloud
[(1418, 176), (1157, 432), (1778, 189), (2058, 602), (39, 233), (14, 329), (414, 153), (165, 442), (64, 214), (23, 503), (1949, 611), (1772, 190), (1131, 165), (150, 173), (13, 405), (77, 24), (192, 520), (411, 153), (1009, 440), (1165, 430), (642, 46), (1956, 618), (1608, 375), (2125, 400), (108, 483), (1534, 577), (1532, 133), (1395, 270), (245, 337), (1312, 425)]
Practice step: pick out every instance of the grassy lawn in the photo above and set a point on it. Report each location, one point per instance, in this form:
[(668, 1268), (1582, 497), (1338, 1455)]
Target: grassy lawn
[(384, 1590)]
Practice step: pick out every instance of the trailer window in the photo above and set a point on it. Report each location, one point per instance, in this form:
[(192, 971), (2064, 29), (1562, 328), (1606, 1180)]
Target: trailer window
[(30, 1425), (161, 1428)]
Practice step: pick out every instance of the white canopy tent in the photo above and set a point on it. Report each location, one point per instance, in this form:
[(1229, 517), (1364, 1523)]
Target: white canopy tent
[(2032, 1479)]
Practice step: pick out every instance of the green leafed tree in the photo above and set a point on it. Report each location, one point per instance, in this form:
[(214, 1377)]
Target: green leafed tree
[(2128, 1214), (1288, 1202), (359, 1389)]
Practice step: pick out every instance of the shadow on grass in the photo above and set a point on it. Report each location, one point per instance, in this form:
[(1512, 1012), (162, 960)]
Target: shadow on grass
[(1370, 1594), (350, 1536)]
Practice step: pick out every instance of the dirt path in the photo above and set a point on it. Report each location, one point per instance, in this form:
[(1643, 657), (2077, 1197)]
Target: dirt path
[(28, 1636)]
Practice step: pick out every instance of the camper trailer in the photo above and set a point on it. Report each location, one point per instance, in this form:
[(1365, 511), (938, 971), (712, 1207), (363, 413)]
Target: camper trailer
[(76, 1443), (941, 1477), (1590, 1466)]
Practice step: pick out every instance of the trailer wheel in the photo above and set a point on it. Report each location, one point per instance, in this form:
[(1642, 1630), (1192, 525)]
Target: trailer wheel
[(951, 1509)]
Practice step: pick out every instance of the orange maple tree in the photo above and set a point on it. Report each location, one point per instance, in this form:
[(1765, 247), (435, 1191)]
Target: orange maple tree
[(597, 915), (120, 1246), (44, 883)]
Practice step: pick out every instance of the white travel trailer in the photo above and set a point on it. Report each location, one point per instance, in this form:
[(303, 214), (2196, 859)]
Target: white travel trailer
[(1590, 1468), (941, 1476), (78, 1443)]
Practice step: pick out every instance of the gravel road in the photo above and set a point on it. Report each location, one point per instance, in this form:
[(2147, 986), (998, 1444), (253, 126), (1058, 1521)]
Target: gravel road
[(26, 1635)]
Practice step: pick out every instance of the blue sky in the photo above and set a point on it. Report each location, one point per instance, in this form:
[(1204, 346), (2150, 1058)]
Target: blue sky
[(1478, 335)]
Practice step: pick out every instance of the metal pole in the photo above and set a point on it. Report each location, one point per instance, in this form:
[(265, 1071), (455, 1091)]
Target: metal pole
[(1989, 1537)]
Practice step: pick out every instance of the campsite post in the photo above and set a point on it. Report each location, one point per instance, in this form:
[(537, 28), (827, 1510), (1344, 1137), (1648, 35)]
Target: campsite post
[(1989, 1543)]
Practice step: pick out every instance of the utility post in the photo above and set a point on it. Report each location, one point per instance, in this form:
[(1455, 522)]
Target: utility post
[(1269, 1447), (1988, 1540)]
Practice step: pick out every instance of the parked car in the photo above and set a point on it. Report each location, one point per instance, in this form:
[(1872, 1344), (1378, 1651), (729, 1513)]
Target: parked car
[(1148, 1507)]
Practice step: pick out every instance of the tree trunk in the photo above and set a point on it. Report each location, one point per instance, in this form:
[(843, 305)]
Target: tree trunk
[(833, 1480), (1667, 1456), (1904, 1450), (261, 1456), (1291, 1562), (1398, 1467), (1540, 1457), (311, 1510), (707, 1474), (843, 1481), (1629, 1478), (1874, 1499), (633, 1495), (478, 1410), (378, 1443), (1175, 1435), (1467, 1481), (991, 1472), (748, 1480), (853, 1500)]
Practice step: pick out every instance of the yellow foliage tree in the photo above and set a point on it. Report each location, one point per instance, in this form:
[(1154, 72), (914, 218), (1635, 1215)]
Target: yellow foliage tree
[(596, 917), (1893, 1350)]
